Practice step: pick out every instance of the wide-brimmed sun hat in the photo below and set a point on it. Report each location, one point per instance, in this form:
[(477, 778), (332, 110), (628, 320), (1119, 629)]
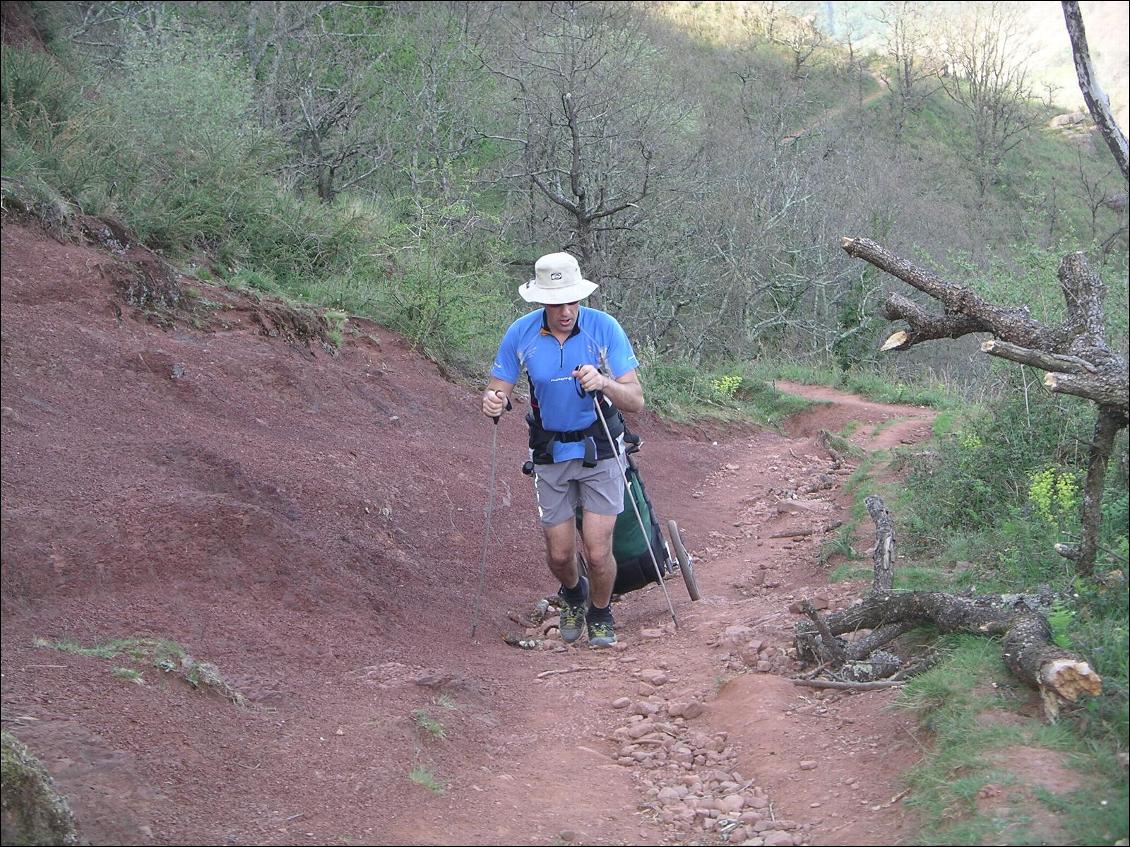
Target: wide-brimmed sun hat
[(557, 279)]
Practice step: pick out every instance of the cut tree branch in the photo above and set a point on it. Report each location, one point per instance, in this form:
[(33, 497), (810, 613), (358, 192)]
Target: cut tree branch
[(884, 552), (1015, 325), (849, 686), (830, 648), (1037, 358), (1101, 388), (1076, 355), (868, 644), (1027, 647), (923, 325)]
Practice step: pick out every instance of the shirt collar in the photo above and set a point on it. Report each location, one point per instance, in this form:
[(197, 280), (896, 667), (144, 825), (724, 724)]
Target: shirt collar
[(576, 323)]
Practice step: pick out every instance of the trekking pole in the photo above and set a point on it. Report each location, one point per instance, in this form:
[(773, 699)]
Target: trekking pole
[(489, 511), (635, 508)]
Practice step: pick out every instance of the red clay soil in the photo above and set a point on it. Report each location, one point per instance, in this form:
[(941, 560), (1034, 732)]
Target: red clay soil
[(206, 470)]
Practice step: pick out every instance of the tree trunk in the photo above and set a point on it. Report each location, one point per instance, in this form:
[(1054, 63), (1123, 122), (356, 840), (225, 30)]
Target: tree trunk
[(1102, 445), (326, 192)]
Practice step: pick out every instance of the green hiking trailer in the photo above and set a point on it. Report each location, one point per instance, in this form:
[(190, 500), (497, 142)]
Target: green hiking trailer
[(632, 549)]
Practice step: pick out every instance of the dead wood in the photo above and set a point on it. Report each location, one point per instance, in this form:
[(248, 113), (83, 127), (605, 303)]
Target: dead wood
[(849, 686), (825, 441), (557, 671), (794, 533), (1075, 354), (829, 648), (1097, 100), (883, 553), (1056, 673), (879, 664), (821, 483), (865, 646), (884, 614)]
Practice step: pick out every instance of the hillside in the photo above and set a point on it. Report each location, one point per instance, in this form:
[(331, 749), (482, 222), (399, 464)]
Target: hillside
[(385, 161), (206, 470)]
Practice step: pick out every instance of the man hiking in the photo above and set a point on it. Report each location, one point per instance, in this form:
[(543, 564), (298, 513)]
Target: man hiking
[(573, 357)]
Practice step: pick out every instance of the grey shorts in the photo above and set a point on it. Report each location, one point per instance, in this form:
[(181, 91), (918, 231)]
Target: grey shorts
[(563, 486)]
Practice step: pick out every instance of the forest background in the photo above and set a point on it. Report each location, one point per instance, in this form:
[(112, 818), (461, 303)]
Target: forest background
[(409, 161)]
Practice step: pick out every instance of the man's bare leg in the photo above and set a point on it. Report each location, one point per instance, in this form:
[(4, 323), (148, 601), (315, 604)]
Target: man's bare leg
[(561, 552), (596, 533)]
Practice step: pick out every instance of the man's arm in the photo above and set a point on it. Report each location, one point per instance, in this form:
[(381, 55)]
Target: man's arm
[(625, 391)]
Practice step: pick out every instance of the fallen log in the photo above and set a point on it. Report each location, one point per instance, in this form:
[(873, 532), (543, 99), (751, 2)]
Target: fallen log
[(827, 647), (1020, 620), (849, 686), (825, 441)]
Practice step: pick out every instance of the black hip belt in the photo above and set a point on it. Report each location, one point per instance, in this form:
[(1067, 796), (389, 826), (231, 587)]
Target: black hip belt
[(597, 445)]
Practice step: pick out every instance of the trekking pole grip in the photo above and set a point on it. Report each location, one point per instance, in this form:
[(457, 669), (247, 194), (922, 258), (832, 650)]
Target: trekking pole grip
[(509, 406)]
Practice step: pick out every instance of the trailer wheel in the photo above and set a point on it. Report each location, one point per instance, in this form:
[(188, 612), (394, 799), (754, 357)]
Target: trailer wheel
[(686, 565)]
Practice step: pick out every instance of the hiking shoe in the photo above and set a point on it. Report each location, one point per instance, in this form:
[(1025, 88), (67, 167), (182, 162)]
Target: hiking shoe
[(601, 634), (573, 614)]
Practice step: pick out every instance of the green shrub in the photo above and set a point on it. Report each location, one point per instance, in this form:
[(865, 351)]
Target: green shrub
[(983, 475), (685, 390), (34, 811), (37, 96), (171, 148), (260, 281)]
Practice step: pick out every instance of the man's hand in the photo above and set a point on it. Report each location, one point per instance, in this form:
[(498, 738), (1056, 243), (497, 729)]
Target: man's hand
[(494, 403), (626, 393), (590, 378)]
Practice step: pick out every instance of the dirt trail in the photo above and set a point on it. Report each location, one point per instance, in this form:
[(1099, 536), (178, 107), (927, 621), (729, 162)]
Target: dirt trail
[(835, 112), (311, 523)]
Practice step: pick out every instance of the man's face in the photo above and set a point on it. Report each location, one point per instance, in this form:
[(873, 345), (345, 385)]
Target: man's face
[(562, 317)]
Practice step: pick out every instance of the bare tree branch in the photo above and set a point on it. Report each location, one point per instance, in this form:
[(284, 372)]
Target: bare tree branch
[(1014, 325), (1036, 358), (924, 326), (1097, 100), (1075, 355)]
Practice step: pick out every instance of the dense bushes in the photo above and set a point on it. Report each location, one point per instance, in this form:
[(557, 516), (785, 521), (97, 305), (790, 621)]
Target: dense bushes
[(169, 146), (1015, 469)]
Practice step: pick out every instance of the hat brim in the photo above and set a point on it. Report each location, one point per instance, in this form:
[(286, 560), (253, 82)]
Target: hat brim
[(533, 293)]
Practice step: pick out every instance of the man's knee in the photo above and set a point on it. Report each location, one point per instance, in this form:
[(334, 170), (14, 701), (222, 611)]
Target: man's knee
[(598, 553), (598, 536), (559, 558), (561, 543)]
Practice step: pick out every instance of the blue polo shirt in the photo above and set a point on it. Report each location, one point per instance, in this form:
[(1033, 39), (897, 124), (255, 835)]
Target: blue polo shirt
[(597, 339)]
